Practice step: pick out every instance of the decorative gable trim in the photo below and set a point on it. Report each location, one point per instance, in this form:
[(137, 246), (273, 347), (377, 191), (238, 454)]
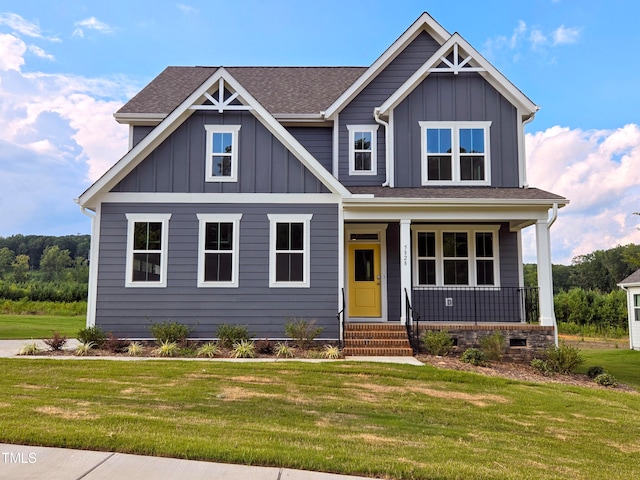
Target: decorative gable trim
[(473, 62), (221, 77), (424, 23)]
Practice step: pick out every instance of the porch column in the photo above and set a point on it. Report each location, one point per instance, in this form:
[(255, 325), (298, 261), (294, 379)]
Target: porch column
[(405, 267), (545, 279)]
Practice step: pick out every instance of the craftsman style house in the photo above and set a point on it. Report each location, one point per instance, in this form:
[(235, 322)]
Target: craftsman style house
[(254, 195)]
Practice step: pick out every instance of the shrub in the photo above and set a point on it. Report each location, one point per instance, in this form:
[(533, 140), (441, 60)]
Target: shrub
[(437, 343), (208, 350), (282, 350), (115, 344), (170, 332), (541, 366), (563, 358), (167, 349), (331, 351), (84, 348), (493, 346), (134, 349), (606, 380), (264, 347), (594, 371), (94, 335), (302, 331), (56, 342), (228, 335), (29, 349), (244, 349), (474, 356)]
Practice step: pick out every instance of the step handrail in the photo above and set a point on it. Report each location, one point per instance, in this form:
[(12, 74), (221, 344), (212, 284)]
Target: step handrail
[(412, 324)]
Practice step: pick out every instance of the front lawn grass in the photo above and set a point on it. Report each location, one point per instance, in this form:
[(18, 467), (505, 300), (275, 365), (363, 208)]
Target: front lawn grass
[(39, 326), (624, 364), (391, 421)]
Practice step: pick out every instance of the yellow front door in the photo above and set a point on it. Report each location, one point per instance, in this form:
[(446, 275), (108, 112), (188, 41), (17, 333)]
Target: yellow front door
[(365, 299)]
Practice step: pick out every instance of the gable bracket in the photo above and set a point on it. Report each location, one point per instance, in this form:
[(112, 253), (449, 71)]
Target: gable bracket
[(220, 104), (457, 66)]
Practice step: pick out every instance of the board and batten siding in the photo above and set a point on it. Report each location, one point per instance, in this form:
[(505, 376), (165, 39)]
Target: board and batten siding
[(317, 141), (360, 109), (128, 312), (177, 165), (463, 97)]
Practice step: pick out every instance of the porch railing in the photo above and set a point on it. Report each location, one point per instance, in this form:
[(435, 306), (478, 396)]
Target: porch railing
[(341, 322), (477, 304), (412, 324)]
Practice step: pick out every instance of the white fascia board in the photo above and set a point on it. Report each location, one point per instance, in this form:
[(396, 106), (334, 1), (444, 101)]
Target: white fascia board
[(424, 22), (490, 73), (151, 119), (227, 198), (471, 202)]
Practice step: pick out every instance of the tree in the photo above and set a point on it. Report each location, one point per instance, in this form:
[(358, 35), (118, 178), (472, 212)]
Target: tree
[(7, 257), (54, 262), (21, 268)]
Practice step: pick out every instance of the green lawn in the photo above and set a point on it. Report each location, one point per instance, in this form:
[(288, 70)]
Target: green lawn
[(393, 421), (622, 363), (39, 326)]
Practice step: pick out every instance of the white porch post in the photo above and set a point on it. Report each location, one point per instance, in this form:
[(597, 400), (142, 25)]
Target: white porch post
[(545, 279), (405, 266)]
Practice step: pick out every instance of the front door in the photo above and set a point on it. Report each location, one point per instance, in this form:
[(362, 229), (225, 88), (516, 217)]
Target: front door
[(365, 290)]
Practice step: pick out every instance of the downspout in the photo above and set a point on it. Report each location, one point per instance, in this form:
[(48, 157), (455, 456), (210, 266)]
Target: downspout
[(387, 159), (524, 153), (554, 216), (85, 212)]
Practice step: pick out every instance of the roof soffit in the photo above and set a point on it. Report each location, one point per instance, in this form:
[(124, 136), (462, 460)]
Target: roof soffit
[(424, 23), (195, 101)]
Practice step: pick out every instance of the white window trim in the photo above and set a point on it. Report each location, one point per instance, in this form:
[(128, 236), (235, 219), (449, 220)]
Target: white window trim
[(132, 219), (455, 147), (471, 231), (211, 129), (205, 218), (274, 219), (373, 129), (635, 309)]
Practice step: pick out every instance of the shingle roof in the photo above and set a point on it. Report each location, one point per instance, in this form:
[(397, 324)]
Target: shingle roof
[(281, 90), (634, 278), (480, 193)]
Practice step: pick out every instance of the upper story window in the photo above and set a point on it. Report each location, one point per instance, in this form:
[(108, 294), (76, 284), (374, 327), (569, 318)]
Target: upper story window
[(456, 257), (455, 153), (147, 242), (363, 152), (222, 153), (218, 250), (289, 250)]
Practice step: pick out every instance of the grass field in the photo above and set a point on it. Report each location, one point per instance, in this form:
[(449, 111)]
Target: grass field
[(394, 421), (624, 364), (39, 326)]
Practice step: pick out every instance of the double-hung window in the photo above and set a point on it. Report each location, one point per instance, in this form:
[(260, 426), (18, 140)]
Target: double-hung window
[(363, 156), (636, 307), (147, 245), (289, 250), (456, 257), (455, 153), (218, 250), (221, 160)]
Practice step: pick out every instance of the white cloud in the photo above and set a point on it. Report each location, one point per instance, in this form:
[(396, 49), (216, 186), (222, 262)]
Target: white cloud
[(39, 52), (11, 52), (187, 9), (597, 171), (91, 23), (24, 27), (564, 36)]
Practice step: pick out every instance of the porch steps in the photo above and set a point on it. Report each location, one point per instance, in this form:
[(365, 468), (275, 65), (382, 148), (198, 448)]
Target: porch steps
[(376, 340)]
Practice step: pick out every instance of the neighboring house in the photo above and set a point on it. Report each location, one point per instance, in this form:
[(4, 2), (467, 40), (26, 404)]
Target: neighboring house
[(253, 195), (631, 285)]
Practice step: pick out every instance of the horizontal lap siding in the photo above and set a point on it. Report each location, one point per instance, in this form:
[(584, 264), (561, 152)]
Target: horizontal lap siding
[(129, 311)]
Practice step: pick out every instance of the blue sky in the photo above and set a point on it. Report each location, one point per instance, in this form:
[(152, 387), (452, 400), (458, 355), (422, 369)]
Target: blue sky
[(66, 66)]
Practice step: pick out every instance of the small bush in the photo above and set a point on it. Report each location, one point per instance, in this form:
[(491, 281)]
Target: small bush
[(563, 358), (264, 347), (282, 350), (84, 348), (474, 356), (541, 366), (331, 351), (437, 343), (594, 371), (302, 332), (209, 350), (115, 344), (606, 380), (167, 349), (29, 349), (170, 332), (493, 346), (228, 335), (244, 349), (134, 349), (56, 342), (94, 335)]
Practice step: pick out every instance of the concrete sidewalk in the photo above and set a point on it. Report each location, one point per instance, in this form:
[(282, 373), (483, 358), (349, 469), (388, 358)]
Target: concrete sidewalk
[(21, 462)]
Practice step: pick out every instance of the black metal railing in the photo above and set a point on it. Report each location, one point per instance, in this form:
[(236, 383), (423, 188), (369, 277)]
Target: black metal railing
[(412, 324), (477, 304), (341, 322)]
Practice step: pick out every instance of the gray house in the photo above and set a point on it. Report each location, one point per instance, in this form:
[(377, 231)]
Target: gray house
[(353, 196)]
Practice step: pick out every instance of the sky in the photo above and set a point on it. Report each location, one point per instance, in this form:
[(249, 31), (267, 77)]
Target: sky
[(67, 66)]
